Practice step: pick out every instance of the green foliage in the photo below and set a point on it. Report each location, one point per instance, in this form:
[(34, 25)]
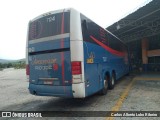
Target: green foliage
[(16, 65)]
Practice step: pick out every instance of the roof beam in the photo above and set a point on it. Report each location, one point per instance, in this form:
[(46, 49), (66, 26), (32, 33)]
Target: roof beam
[(152, 25), (132, 22), (139, 35)]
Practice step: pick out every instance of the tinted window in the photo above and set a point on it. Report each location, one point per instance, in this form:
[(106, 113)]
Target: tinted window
[(50, 25), (116, 44)]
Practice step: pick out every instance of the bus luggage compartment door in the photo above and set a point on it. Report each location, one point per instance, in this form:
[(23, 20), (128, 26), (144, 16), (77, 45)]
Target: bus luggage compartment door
[(92, 78)]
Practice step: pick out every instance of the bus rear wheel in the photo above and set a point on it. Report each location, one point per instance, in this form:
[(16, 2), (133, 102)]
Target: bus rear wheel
[(105, 88), (111, 82)]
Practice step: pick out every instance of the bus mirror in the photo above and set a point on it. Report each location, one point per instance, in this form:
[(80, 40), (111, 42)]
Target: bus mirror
[(85, 25)]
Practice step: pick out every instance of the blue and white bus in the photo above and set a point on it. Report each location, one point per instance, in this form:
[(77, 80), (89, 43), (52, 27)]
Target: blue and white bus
[(68, 55)]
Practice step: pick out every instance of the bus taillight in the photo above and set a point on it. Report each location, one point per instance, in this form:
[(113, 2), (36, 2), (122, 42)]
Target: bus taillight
[(27, 69), (76, 72), (76, 68)]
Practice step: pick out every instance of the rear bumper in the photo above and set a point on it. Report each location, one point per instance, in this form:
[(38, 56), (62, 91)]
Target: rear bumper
[(48, 90)]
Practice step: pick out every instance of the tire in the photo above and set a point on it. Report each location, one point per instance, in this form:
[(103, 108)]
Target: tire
[(105, 88), (127, 74), (111, 81)]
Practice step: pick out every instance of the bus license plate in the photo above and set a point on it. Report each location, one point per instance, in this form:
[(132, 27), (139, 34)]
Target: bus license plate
[(48, 82)]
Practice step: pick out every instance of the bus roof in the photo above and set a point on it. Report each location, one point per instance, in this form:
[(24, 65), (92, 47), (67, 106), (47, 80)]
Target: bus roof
[(65, 10), (51, 12)]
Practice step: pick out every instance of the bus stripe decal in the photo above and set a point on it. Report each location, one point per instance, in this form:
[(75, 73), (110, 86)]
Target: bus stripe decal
[(62, 53), (47, 39), (115, 52)]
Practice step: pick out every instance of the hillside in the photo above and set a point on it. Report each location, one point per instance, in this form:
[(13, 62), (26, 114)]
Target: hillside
[(17, 64), (10, 61), (5, 61)]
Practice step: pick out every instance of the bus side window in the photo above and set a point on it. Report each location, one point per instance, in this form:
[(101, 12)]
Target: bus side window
[(85, 25)]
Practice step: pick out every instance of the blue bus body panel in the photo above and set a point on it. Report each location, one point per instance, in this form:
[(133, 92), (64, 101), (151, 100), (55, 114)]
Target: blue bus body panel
[(103, 53), (47, 90), (102, 61), (50, 45), (50, 71), (49, 55), (92, 78)]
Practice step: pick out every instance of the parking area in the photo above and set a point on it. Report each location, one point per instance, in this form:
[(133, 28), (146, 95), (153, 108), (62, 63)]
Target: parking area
[(136, 92)]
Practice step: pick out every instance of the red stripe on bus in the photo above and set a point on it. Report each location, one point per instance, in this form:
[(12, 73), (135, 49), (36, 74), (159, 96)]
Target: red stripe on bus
[(115, 52), (62, 53)]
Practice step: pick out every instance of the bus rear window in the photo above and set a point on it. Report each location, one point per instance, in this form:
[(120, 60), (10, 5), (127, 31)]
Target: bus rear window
[(50, 25)]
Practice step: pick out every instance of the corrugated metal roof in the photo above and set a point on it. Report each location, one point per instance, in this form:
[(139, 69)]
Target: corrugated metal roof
[(144, 22)]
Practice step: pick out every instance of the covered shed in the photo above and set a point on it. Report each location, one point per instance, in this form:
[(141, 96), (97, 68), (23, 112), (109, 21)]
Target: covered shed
[(141, 32)]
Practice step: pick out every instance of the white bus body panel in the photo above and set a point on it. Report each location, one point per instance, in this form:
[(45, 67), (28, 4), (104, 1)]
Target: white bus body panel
[(76, 46)]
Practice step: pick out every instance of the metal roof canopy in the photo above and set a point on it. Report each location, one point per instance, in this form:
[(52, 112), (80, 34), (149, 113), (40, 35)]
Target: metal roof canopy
[(142, 23)]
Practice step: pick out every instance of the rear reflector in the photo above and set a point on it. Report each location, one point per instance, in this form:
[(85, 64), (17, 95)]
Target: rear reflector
[(76, 68), (76, 78), (27, 69)]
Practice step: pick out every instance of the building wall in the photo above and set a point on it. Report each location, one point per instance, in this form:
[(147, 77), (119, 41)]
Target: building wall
[(135, 54), (145, 54)]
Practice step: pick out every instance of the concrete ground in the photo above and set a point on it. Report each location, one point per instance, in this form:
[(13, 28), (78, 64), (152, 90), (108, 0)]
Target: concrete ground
[(136, 92)]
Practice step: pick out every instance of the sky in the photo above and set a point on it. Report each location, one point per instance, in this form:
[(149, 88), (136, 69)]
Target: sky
[(15, 15)]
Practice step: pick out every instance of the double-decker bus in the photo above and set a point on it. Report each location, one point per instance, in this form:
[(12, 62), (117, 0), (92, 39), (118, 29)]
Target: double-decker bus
[(69, 55)]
